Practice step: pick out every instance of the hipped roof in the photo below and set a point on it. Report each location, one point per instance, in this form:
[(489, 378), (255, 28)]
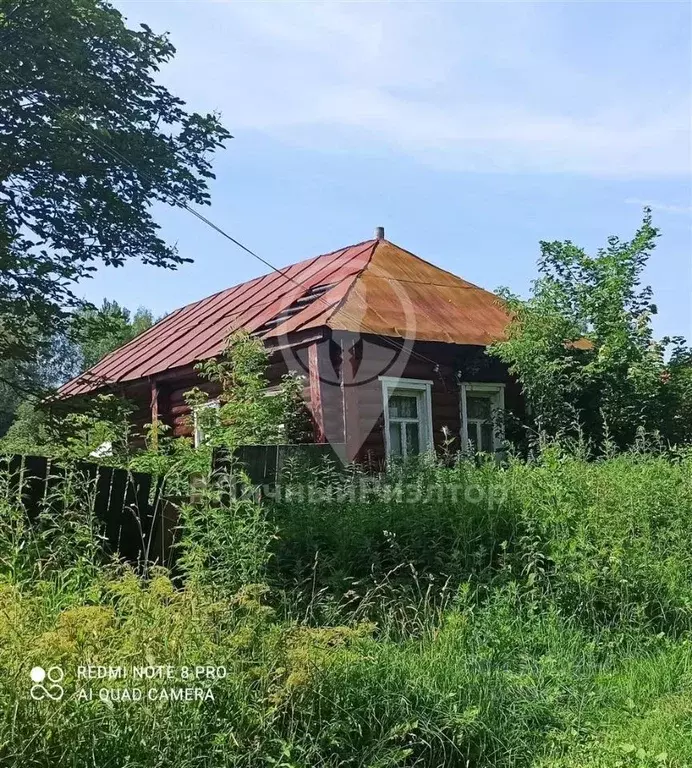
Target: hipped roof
[(374, 287)]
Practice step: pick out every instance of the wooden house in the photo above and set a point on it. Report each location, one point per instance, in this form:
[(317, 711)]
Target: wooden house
[(392, 349)]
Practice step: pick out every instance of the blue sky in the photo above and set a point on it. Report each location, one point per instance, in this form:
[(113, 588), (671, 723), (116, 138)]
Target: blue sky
[(470, 131)]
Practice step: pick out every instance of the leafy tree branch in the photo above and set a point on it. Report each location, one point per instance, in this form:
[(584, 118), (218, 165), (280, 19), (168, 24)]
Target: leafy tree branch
[(89, 142)]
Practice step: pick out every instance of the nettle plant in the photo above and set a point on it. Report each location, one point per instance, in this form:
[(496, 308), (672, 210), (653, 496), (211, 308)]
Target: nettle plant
[(246, 411)]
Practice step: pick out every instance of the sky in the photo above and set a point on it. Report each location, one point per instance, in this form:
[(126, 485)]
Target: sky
[(469, 131)]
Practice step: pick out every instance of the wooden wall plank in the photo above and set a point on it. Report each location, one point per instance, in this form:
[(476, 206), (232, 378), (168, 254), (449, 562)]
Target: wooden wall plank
[(315, 390), (350, 396)]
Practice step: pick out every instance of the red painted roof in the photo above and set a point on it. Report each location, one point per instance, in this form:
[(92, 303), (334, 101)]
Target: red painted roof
[(373, 287)]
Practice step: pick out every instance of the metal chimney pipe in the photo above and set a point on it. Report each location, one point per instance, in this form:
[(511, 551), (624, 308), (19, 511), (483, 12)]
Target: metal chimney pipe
[(379, 233)]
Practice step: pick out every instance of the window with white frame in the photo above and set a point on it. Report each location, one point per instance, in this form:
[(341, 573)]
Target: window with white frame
[(482, 406), (203, 417), (407, 416)]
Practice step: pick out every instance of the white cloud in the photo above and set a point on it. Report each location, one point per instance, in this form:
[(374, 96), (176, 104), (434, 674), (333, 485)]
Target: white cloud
[(494, 87), (663, 207)]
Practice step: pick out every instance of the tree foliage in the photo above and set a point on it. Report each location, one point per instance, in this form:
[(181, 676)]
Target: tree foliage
[(96, 332), (246, 412), (64, 431), (24, 384), (583, 349), (89, 142)]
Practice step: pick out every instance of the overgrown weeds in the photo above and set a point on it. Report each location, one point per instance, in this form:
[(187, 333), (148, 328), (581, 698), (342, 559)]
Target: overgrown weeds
[(610, 541), (543, 622)]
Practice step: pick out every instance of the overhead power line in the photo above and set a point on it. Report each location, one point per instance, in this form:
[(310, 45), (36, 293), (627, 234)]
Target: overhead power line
[(180, 203)]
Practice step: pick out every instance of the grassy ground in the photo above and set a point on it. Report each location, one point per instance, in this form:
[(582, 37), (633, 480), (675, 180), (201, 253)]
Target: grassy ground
[(543, 622)]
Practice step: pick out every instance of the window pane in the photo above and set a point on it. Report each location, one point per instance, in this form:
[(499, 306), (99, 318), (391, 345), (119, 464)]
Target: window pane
[(412, 440), (478, 407), (205, 418), (403, 406), (487, 438), (471, 435), (395, 440)]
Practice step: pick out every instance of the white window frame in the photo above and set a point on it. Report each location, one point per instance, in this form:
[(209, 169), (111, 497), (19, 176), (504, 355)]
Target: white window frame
[(198, 431), (424, 420), (496, 391)]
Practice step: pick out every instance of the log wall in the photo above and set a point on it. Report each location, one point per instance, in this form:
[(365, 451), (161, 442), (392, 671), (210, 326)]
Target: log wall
[(343, 388)]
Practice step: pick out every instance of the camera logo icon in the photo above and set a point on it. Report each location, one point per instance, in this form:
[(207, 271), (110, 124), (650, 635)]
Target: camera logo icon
[(52, 690)]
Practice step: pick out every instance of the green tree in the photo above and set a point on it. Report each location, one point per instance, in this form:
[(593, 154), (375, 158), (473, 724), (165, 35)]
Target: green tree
[(15, 381), (96, 332), (244, 412), (26, 430), (583, 349), (678, 393), (92, 334), (89, 143), (25, 382)]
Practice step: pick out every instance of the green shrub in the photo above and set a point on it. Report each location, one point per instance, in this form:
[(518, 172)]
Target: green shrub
[(504, 684), (609, 540), (450, 522)]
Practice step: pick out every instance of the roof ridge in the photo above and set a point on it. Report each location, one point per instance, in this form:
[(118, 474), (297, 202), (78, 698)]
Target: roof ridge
[(337, 306), (198, 329), (276, 270), (281, 271)]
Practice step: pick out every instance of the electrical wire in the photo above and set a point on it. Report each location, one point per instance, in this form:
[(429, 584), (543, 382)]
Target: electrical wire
[(178, 202)]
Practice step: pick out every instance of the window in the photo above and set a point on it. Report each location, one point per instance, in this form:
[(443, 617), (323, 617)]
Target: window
[(481, 409), (407, 417), (203, 418)]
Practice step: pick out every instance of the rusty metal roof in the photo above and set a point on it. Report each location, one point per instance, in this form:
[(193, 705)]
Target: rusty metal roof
[(373, 287), (403, 296)]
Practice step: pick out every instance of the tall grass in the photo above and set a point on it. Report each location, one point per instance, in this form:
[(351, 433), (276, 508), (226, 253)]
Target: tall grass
[(610, 541), (544, 622)]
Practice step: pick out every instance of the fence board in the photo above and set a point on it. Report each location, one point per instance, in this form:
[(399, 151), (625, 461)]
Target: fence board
[(119, 500), (33, 486), (135, 516)]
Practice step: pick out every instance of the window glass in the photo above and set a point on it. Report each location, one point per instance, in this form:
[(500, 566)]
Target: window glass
[(478, 407), (472, 435), (412, 440), (395, 447), (481, 404), (407, 417), (486, 438), (205, 416), (403, 406)]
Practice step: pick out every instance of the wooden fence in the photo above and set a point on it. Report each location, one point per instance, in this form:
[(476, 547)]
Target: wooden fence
[(264, 464), (126, 503), (138, 521)]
